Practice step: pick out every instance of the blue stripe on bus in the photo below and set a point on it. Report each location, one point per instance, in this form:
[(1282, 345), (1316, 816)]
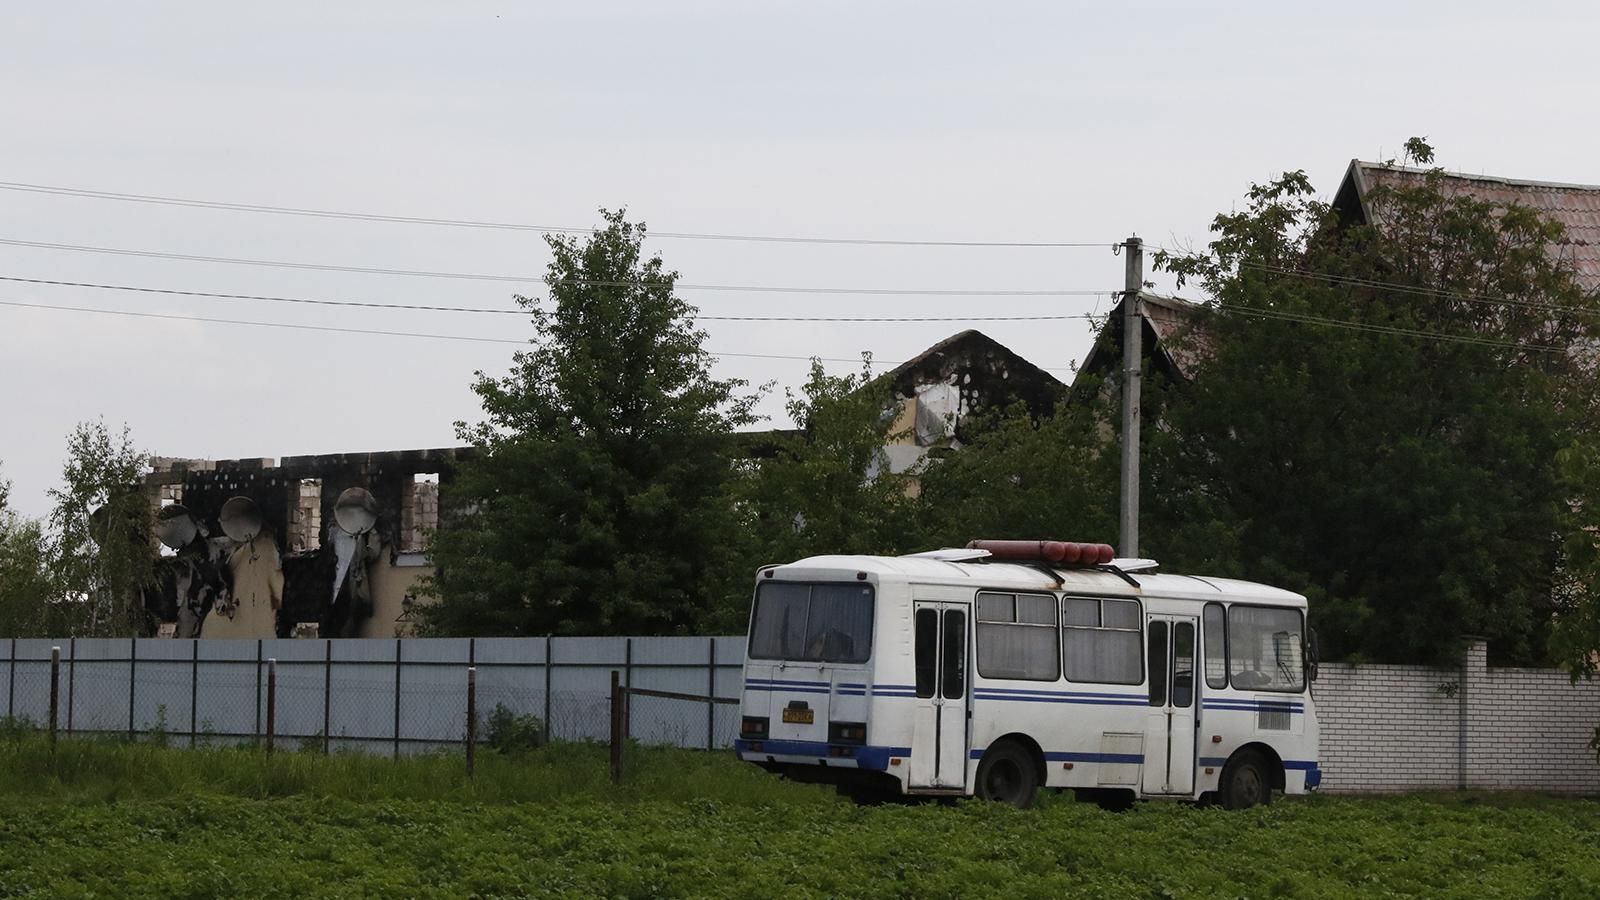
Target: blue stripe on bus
[(1248, 706), (1040, 693), (1090, 700), (1309, 766), (876, 758), (1073, 756), (785, 688), (822, 687)]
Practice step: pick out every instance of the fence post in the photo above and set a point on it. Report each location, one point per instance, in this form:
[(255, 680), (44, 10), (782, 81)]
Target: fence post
[(72, 678), (327, 695), (627, 682), (133, 680), (617, 735), (549, 728), (11, 684), (472, 719), (272, 701), (257, 734), (194, 692), (397, 698), (55, 693), (711, 692)]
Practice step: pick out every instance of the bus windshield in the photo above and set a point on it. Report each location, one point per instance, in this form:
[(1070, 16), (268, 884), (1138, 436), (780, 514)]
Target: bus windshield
[(812, 622)]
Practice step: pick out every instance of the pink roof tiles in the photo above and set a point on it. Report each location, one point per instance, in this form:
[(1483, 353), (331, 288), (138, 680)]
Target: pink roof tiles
[(1575, 206)]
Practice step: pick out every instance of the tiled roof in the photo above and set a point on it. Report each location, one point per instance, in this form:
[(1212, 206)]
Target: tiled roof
[(1164, 318), (1575, 206)]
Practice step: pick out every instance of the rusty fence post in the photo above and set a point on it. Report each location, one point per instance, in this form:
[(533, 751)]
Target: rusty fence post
[(55, 694), (472, 719), (133, 681), (72, 679), (327, 697), (194, 692), (617, 730), (272, 701)]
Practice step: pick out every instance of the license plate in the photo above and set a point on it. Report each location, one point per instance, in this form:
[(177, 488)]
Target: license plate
[(800, 716)]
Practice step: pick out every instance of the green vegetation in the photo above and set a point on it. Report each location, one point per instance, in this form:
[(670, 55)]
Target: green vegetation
[(1402, 470), (598, 505), (79, 574), (131, 821)]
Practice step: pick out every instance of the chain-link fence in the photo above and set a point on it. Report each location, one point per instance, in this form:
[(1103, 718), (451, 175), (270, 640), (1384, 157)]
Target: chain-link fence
[(376, 696)]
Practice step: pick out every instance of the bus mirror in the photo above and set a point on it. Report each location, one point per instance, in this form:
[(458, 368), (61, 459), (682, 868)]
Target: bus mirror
[(1312, 654)]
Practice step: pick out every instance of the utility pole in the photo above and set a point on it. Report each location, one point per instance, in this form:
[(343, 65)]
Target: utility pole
[(1132, 360)]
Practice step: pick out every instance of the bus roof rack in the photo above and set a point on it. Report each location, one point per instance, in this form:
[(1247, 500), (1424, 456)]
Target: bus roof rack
[(950, 554)]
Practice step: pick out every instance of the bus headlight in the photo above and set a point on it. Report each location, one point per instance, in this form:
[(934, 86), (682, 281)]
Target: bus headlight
[(753, 727)]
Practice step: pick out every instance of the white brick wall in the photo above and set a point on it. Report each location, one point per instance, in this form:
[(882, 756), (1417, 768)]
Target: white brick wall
[(1399, 728)]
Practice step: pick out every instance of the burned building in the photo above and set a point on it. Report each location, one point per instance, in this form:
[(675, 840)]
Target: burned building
[(331, 545)]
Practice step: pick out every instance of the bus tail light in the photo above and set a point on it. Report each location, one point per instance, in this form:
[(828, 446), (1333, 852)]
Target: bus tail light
[(753, 727), (847, 733)]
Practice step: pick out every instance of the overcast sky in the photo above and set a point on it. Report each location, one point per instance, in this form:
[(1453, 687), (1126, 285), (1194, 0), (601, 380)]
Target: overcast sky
[(936, 121)]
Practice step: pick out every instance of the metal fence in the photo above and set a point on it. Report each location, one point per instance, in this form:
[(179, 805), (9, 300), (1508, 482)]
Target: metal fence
[(377, 696)]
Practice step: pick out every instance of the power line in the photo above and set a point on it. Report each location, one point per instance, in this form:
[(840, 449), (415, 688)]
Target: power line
[(1396, 287), (517, 312), (384, 333), (1438, 336), (511, 226), (540, 279)]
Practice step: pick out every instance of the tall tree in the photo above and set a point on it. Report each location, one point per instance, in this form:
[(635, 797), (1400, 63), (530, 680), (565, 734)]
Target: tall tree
[(26, 587), (102, 524), (1024, 478), (827, 488), (1378, 417), (597, 505)]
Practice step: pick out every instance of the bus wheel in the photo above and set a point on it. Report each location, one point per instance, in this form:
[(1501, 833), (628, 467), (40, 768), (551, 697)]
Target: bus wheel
[(1007, 774), (1245, 782)]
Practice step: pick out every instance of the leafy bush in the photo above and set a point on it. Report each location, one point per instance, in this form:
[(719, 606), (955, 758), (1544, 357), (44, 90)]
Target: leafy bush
[(508, 732), (14, 728)]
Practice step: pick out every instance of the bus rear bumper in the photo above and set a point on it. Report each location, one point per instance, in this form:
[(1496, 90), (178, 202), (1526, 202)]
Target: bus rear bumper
[(814, 753)]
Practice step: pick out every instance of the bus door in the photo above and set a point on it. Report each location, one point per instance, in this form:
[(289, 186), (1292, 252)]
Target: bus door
[(939, 719), (1170, 724)]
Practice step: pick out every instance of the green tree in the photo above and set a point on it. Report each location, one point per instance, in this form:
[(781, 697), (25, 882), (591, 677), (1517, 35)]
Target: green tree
[(1379, 414), (1023, 478), (598, 504), (102, 522), (827, 488), (26, 587)]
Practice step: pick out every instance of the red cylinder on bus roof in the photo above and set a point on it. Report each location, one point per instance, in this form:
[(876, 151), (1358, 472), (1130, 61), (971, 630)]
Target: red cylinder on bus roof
[(1055, 552)]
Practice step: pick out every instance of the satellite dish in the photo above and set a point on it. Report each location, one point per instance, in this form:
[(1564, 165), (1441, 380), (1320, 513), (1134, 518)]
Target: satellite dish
[(100, 523), (356, 511), (240, 519), (176, 526)]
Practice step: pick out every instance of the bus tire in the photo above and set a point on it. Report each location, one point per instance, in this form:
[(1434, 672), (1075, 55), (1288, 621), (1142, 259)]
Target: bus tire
[(1007, 775), (1246, 782)]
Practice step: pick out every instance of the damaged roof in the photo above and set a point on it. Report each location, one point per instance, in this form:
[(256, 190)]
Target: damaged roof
[(1575, 206), (1166, 339), (960, 351)]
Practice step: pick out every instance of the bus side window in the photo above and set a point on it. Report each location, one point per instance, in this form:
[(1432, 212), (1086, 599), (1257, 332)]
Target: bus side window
[(1182, 665), (1216, 644), (927, 650), (955, 654), (1158, 663)]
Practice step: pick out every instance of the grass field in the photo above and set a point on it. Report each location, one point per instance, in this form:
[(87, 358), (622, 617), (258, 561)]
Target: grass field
[(109, 820)]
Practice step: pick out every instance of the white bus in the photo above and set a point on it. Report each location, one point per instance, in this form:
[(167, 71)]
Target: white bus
[(971, 673)]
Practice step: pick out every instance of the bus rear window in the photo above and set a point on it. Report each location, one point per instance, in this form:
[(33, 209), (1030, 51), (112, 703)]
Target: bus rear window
[(812, 622)]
